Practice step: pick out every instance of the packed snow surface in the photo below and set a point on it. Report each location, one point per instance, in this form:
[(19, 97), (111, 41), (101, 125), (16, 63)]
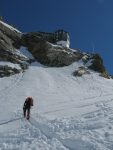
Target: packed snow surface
[(69, 113)]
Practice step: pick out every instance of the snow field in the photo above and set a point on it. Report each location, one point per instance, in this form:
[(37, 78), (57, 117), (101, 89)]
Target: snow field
[(69, 113)]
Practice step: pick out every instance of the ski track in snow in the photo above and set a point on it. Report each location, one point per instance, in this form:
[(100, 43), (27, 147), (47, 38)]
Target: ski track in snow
[(70, 114)]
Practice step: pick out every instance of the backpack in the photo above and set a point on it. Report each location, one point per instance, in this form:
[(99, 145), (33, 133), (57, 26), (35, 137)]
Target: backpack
[(30, 101)]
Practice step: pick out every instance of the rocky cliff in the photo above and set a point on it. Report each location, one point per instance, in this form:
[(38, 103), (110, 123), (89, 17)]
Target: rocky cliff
[(48, 53), (11, 61), (53, 55)]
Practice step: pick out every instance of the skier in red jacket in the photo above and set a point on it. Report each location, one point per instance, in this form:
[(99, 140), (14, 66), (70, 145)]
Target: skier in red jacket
[(27, 106)]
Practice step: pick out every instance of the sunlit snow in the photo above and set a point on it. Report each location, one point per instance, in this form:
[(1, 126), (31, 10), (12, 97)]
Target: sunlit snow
[(69, 113)]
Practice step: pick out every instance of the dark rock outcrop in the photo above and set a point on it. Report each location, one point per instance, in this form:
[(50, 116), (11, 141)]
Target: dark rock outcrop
[(81, 71), (97, 63), (8, 52), (105, 75), (47, 53), (43, 51), (8, 36), (7, 71)]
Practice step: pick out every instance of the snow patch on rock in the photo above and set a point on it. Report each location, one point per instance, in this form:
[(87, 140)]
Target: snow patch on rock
[(63, 43)]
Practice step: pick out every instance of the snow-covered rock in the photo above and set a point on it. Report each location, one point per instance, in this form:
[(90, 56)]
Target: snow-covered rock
[(48, 53), (8, 52), (81, 71), (7, 68), (64, 43)]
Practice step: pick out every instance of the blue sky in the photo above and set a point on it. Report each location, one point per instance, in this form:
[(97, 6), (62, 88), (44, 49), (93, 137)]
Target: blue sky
[(89, 22)]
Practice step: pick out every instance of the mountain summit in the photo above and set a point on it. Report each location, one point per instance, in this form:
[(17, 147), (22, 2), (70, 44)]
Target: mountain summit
[(50, 49)]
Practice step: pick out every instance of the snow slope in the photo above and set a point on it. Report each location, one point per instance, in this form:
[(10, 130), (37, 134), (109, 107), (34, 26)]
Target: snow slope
[(69, 113)]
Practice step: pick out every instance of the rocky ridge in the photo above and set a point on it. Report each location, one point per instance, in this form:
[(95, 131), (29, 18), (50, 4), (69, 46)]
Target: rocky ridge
[(48, 53), (11, 40), (8, 53)]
